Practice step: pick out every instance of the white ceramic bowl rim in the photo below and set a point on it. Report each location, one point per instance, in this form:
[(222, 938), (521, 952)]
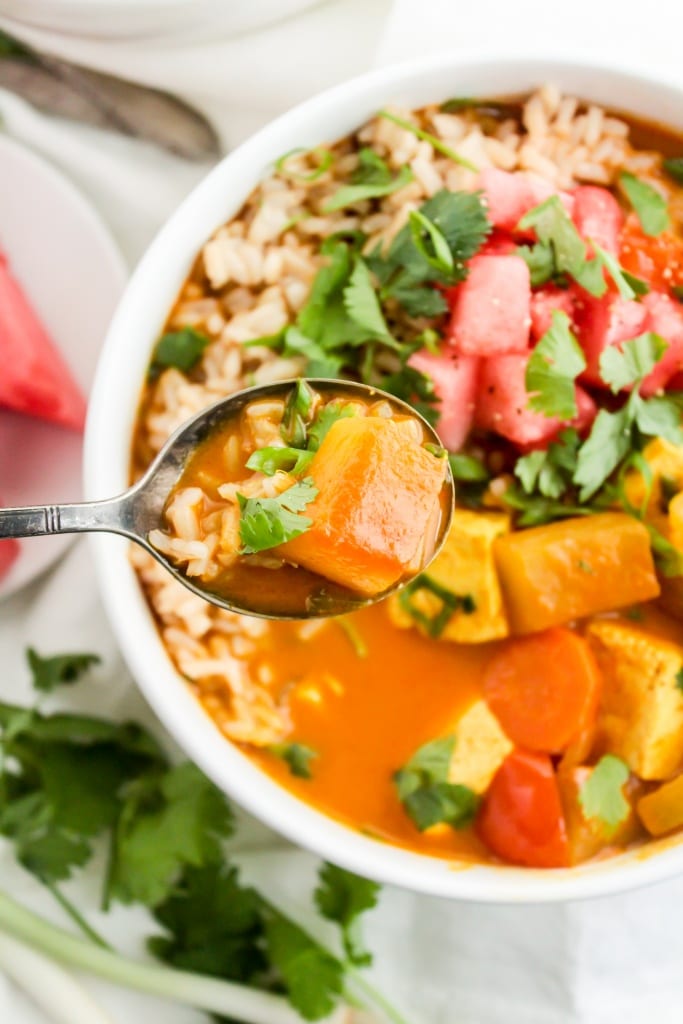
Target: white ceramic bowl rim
[(136, 324)]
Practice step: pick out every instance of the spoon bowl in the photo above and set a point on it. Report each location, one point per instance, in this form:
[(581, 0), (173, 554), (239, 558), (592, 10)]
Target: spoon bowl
[(140, 510)]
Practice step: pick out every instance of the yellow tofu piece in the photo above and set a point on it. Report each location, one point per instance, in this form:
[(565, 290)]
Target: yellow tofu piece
[(464, 566), (665, 461), (662, 810), (481, 746), (641, 710), (588, 837)]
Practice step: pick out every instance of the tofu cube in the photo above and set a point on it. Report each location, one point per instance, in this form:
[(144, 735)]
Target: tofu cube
[(464, 566), (640, 718), (481, 746)]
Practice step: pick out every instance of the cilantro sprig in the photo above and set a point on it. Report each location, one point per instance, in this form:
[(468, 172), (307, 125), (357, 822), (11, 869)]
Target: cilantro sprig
[(553, 367), (649, 205), (180, 349), (602, 794), (424, 790), (267, 522), (372, 179)]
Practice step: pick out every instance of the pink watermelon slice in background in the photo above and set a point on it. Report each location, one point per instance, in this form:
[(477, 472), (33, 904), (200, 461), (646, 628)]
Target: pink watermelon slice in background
[(34, 378)]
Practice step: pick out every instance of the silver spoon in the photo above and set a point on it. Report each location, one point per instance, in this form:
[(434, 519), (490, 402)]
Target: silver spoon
[(139, 510)]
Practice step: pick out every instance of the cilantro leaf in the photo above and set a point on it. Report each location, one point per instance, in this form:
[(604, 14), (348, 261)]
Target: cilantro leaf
[(58, 670), (427, 795), (271, 460), (267, 522), (297, 756), (601, 796), (327, 282), (314, 979), (535, 509), (373, 180), (554, 228), (342, 897), (168, 822), (660, 416), (362, 304), (620, 367), (450, 602), (181, 349), (319, 362), (550, 470), (649, 205), (329, 414), (679, 680), (540, 259), (674, 168), (608, 443), (552, 369), (468, 469), (213, 925), (430, 242)]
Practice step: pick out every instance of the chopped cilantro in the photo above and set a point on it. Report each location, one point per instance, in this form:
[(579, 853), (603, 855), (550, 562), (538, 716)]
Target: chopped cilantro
[(59, 669), (180, 349), (553, 366), (296, 756), (372, 179), (550, 471), (468, 469), (650, 205), (674, 168), (267, 522), (555, 229), (436, 143), (313, 978), (601, 796), (415, 387), (623, 366), (677, 292), (540, 259), (362, 304), (608, 443), (270, 460), (342, 897), (585, 567), (450, 602), (679, 678), (425, 792), (628, 286), (335, 410), (535, 509)]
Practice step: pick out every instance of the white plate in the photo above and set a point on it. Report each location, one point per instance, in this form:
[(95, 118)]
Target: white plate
[(73, 275), (131, 18)]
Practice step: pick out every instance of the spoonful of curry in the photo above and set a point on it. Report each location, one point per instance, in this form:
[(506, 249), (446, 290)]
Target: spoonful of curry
[(298, 499)]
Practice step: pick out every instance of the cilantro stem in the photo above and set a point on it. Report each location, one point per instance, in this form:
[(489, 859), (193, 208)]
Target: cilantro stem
[(204, 993), (78, 919), (436, 143), (353, 635), (374, 995)]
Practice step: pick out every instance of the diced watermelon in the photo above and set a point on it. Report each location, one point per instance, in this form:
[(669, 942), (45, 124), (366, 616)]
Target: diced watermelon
[(499, 243), (491, 308), (597, 215), (502, 401), (455, 384), (34, 379), (664, 317), (544, 303), (9, 551), (602, 322), (509, 195)]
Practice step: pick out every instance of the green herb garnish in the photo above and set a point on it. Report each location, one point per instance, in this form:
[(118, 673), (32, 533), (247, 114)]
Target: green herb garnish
[(427, 795), (297, 414), (324, 158), (450, 602), (550, 471), (343, 897), (649, 205), (272, 460), (180, 349), (296, 756), (335, 410), (48, 673), (372, 179), (436, 144), (602, 794), (553, 367), (674, 168), (353, 635), (267, 522)]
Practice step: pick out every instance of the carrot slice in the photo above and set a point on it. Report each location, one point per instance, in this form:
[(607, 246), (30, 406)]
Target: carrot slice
[(521, 819), (543, 689)]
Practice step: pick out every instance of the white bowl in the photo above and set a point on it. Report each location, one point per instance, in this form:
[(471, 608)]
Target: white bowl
[(137, 323)]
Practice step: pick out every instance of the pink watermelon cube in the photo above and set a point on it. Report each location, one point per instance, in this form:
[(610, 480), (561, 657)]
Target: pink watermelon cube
[(544, 303), (491, 308), (502, 405), (665, 317), (498, 243), (597, 215), (509, 195), (34, 378), (602, 322), (455, 384)]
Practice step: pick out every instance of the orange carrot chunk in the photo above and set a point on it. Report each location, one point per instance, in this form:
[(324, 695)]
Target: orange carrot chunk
[(377, 505), (543, 689), (521, 819)]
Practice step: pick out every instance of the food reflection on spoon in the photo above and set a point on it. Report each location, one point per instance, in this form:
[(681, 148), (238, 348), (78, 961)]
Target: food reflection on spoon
[(292, 500)]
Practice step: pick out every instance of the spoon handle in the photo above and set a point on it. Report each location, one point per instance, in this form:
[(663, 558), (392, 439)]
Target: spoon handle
[(40, 520)]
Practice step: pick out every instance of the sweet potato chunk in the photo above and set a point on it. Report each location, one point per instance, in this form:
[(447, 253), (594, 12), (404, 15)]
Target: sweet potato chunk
[(662, 810), (378, 498), (574, 568), (589, 837)]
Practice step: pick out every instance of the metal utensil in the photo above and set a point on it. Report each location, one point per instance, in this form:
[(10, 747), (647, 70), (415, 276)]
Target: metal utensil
[(138, 511), (67, 90)]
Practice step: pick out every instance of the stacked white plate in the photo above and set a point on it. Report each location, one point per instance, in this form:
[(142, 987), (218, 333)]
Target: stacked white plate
[(128, 19)]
